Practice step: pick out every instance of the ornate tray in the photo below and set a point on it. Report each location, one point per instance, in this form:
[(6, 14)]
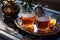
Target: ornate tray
[(35, 31)]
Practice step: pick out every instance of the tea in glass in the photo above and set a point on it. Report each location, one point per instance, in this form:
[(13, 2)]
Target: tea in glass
[(42, 23), (27, 20)]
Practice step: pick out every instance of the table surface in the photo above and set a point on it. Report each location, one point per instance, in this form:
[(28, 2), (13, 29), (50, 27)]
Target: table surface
[(49, 12)]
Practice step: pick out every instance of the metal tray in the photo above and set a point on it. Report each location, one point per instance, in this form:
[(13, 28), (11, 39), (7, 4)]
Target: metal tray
[(36, 32)]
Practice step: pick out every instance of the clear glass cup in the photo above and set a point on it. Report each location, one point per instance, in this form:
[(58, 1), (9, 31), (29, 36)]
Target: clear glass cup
[(43, 22), (28, 19)]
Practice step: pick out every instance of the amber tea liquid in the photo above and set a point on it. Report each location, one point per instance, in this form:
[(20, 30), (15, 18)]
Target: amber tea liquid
[(42, 23), (28, 20)]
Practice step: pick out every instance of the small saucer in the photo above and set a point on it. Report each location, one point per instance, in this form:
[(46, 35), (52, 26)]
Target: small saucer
[(35, 30)]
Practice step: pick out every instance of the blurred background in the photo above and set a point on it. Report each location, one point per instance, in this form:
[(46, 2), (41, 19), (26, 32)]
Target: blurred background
[(53, 4)]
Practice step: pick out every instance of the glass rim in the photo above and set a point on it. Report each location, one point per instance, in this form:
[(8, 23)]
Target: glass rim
[(27, 15), (42, 18)]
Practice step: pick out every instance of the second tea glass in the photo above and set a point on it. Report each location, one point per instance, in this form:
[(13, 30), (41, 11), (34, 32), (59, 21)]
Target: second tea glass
[(42, 22)]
